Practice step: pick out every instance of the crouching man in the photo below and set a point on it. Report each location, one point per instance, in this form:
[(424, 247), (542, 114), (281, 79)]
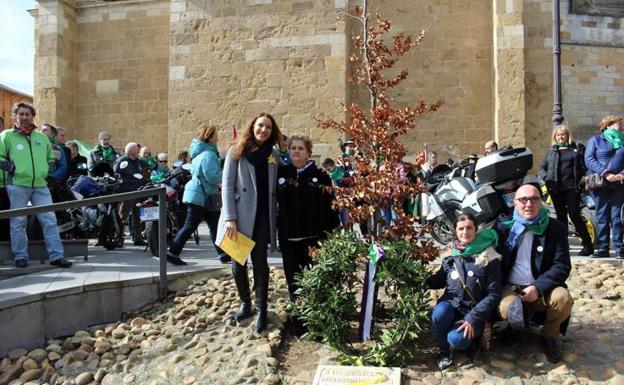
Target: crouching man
[(536, 264)]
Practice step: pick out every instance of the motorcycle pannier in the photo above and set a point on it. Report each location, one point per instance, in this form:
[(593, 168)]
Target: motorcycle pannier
[(504, 165), (484, 203)]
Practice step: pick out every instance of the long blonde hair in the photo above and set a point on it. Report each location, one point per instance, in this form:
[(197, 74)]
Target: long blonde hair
[(564, 128), (246, 140)]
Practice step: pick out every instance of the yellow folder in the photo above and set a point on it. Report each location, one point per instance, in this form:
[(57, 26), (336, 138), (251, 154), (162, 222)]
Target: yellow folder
[(238, 249)]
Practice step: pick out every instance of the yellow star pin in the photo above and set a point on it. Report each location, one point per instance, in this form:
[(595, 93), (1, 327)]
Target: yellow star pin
[(271, 159)]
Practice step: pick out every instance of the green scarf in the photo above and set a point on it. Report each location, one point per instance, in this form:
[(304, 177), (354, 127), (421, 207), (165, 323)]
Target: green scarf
[(484, 239), (614, 137), (107, 153), (149, 163), (558, 146)]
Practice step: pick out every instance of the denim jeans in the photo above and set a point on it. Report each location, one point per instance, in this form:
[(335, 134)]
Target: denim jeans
[(195, 215), (38, 196), (608, 221), (443, 318)]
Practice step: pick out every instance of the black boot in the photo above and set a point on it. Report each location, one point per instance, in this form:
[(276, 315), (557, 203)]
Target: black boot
[(242, 286), (262, 293)]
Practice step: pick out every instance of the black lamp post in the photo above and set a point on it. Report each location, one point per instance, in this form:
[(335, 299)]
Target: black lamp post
[(557, 117)]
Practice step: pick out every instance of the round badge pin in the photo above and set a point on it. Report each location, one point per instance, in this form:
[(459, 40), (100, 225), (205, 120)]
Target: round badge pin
[(138, 176), (281, 181), (454, 275), (20, 147), (123, 164), (314, 180), (540, 249), (470, 273)]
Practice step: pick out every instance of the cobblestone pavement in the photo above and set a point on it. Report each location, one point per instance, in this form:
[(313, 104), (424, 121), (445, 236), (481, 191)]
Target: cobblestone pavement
[(593, 346), (192, 339)]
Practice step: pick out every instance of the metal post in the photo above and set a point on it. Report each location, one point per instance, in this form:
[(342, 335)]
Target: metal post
[(162, 242), (557, 117)]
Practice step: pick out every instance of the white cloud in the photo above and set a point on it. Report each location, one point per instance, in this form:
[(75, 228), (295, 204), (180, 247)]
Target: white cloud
[(17, 45)]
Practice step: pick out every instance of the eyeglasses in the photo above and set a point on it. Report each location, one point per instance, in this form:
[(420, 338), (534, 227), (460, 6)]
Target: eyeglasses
[(525, 200), (162, 161)]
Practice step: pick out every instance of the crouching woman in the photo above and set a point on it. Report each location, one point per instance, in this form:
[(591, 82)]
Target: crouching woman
[(471, 276)]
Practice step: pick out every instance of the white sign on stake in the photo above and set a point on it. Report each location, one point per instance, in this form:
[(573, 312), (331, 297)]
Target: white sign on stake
[(356, 375)]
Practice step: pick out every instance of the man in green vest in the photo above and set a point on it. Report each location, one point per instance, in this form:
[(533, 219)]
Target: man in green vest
[(26, 157)]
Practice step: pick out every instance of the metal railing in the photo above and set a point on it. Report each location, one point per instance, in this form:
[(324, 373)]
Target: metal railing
[(121, 197)]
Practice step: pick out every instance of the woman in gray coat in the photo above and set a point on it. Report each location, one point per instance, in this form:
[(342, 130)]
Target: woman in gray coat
[(249, 207)]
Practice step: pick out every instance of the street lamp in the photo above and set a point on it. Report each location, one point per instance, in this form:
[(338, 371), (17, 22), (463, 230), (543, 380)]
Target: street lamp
[(557, 117)]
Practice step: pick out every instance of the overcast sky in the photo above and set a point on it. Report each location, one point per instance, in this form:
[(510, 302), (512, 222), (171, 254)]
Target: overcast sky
[(17, 45)]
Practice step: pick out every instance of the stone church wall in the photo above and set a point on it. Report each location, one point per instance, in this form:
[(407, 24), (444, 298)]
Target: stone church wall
[(152, 71), (122, 78), (453, 63), (231, 60)]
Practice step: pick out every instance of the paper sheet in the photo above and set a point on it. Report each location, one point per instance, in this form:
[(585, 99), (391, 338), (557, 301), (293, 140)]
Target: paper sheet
[(238, 249)]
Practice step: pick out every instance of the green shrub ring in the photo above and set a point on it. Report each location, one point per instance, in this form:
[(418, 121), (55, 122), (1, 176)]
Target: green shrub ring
[(328, 300)]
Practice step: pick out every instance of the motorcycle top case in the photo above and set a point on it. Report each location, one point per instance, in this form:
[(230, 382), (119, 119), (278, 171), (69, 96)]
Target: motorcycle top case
[(504, 165)]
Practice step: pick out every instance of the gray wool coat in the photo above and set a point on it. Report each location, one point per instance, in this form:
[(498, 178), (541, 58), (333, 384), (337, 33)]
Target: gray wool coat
[(240, 196)]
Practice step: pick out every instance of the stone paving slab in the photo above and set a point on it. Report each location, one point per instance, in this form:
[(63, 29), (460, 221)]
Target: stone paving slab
[(128, 266)]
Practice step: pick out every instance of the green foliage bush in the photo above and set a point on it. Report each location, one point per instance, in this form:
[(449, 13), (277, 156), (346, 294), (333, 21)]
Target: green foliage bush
[(329, 294)]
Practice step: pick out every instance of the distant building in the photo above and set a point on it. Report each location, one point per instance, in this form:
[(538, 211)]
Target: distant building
[(8, 97)]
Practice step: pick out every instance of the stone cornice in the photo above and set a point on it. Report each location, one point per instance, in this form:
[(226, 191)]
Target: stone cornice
[(103, 3)]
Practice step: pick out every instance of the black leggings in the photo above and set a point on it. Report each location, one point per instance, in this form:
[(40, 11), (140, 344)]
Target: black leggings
[(568, 203), (261, 235), (296, 256)]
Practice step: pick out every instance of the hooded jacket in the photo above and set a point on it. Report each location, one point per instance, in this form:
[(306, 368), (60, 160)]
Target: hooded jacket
[(304, 202), (482, 275), (31, 155), (206, 172)]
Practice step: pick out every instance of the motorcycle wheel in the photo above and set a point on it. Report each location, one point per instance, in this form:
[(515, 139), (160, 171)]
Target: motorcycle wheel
[(590, 222), (108, 236), (151, 230), (442, 230)]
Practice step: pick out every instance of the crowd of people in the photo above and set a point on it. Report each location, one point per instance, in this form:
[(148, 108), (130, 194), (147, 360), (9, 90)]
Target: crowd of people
[(268, 189)]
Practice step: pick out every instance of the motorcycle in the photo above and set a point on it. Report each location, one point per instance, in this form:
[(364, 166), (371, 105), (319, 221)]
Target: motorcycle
[(100, 221), (149, 212), (588, 213), (182, 173), (499, 175)]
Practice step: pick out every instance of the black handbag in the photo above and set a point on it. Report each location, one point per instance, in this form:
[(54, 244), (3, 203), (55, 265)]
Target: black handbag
[(212, 202)]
